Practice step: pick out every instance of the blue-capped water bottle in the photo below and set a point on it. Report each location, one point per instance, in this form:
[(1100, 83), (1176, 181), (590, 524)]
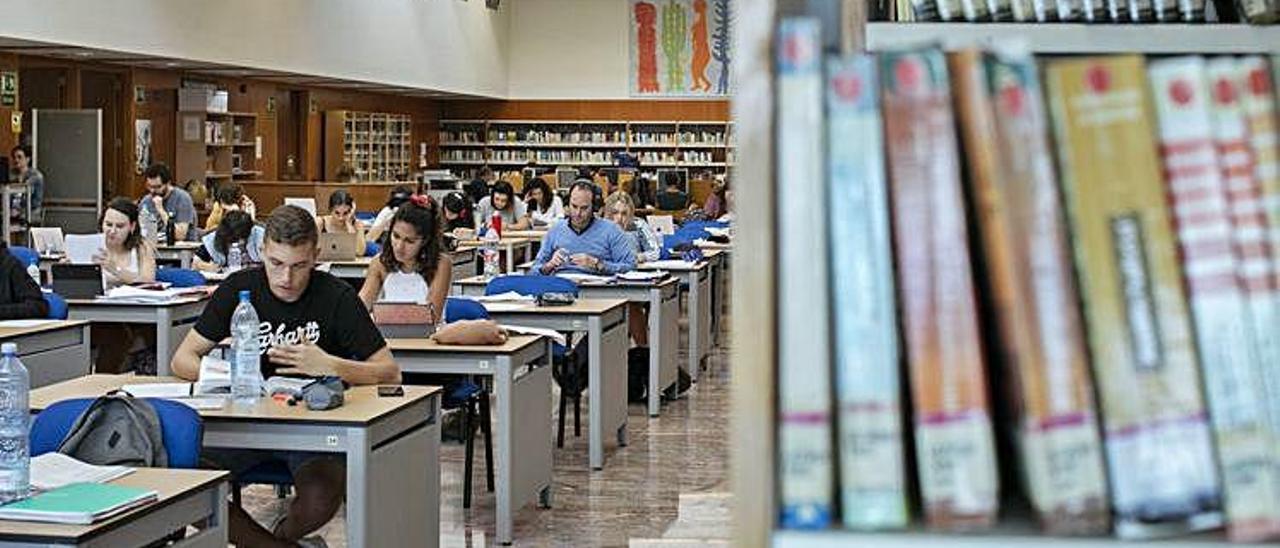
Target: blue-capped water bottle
[(15, 460), (246, 371)]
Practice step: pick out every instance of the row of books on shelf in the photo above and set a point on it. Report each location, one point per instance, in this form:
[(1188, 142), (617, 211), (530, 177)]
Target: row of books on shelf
[(1085, 11), (550, 156), (1117, 313), (532, 136)]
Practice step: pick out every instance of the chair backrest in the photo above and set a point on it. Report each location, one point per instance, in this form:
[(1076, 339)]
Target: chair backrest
[(463, 309), (371, 249), (531, 285), (58, 309), (180, 426), (24, 255), (180, 277)]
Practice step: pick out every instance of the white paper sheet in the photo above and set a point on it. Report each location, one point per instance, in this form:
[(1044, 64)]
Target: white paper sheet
[(53, 470), (82, 247), (508, 297), (164, 390), (584, 278), (308, 204), (642, 275), (215, 376), (506, 306), (135, 294), (25, 323), (525, 330)]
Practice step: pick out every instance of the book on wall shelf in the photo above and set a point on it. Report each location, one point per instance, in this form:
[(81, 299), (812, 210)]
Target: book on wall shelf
[(1261, 12)]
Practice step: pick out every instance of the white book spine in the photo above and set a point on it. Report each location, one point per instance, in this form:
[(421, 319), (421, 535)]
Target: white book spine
[(804, 357)]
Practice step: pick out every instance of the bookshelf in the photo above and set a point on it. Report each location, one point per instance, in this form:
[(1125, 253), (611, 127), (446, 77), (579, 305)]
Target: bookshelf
[(377, 146), (755, 292), (216, 147), (506, 143)]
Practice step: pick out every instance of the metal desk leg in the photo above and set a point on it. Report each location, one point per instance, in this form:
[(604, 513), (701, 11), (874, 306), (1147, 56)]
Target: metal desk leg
[(164, 340), (655, 352), (606, 386), (695, 326), (524, 399)]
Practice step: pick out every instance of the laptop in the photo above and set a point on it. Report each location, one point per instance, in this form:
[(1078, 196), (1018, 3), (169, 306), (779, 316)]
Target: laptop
[(48, 240), (662, 224), (339, 247), (77, 281)]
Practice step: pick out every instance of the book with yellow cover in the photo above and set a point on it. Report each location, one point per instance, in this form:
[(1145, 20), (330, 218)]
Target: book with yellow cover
[(1158, 447)]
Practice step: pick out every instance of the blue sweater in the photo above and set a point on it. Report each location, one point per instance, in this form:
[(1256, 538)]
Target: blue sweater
[(602, 239)]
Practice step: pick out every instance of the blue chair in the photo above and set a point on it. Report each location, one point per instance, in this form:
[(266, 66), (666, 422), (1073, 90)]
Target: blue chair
[(571, 386), (366, 217), (58, 309), (274, 473), (463, 309), (180, 427), (371, 249), (180, 277), (25, 255)]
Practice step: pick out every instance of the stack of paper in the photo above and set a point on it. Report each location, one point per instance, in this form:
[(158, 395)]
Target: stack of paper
[(552, 334), (642, 275), (78, 503), (510, 296), (82, 247), (53, 470), (133, 294), (584, 278)]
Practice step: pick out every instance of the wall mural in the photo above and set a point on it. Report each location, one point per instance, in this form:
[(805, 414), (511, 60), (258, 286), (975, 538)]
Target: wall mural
[(680, 48)]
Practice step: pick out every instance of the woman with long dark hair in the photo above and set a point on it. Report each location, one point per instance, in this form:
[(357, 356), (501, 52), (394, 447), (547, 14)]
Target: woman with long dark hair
[(236, 228), (412, 258), (544, 206), (125, 258)]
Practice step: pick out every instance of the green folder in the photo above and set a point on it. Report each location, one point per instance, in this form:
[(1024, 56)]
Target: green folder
[(78, 503)]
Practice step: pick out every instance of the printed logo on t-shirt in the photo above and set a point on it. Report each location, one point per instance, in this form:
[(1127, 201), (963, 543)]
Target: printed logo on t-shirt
[(277, 336)]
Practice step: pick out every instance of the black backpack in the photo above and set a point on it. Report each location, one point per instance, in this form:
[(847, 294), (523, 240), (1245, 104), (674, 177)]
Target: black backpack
[(570, 370), (637, 374)]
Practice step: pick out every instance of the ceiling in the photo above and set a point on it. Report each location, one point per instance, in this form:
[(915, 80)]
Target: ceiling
[(83, 54)]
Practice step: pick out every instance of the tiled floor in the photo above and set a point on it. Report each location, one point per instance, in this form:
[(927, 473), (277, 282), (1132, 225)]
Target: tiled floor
[(685, 451)]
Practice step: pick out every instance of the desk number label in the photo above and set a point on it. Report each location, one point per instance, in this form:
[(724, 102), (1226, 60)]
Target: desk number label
[(484, 364), (331, 441)]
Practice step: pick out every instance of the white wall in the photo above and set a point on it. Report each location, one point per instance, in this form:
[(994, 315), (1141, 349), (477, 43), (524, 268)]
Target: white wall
[(568, 49), (446, 45)]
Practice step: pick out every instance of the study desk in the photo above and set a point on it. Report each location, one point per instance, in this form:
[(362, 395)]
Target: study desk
[(391, 447), (179, 252), (696, 278), (516, 250), (52, 351), (171, 319), (521, 373), (464, 265), (719, 260), (663, 299), (186, 497), (605, 323)]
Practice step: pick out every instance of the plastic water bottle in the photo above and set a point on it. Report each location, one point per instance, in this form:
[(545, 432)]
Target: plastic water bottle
[(15, 461), (246, 371), (235, 258), (34, 272), (492, 267), (150, 229)]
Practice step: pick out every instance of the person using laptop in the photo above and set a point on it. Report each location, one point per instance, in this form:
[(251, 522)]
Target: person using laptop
[(313, 324), (20, 296), (342, 216), (168, 203), (503, 200), (236, 228), (544, 206), (229, 197), (585, 244), (412, 258)]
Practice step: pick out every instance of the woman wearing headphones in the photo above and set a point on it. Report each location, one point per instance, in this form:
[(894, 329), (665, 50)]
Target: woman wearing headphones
[(412, 262)]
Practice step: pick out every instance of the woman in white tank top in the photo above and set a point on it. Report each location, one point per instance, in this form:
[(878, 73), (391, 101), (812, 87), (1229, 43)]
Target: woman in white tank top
[(125, 259), (412, 265)]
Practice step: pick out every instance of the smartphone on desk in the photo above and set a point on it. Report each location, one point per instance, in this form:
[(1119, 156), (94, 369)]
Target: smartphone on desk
[(390, 391)]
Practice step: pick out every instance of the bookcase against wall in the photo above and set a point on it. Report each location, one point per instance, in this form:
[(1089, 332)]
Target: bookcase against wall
[(658, 144), (216, 146), (755, 289), (376, 146)]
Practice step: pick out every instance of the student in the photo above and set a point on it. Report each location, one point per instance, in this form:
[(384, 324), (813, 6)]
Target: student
[(714, 207), (672, 198), (413, 257), (544, 207), (168, 203), (399, 195), (125, 259), (313, 324), (34, 180), (236, 228), (622, 211), (585, 244), (342, 216), (457, 212), (479, 187), (20, 296), (229, 197), (502, 199)]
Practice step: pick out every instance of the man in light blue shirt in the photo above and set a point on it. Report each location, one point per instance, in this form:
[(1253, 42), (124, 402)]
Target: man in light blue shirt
[(585, 244)]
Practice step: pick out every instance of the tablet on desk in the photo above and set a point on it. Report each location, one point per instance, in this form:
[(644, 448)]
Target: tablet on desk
[(77, 281)]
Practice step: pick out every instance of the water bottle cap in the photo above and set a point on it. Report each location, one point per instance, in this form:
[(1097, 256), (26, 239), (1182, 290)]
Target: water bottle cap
[(244, 294), (9, 349)]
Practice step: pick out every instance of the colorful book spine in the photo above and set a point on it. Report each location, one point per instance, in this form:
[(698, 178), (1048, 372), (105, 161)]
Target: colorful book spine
[(1229, 362), (1157, 439), (1041, 334), (869, 416), (1258, 100), (953, 431), (804, 352)]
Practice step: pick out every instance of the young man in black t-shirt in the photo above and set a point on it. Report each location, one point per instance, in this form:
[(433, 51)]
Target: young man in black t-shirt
[(311, 323)]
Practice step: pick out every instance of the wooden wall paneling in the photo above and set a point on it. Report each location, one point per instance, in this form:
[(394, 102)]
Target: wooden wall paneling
[(313, 128), (104, 90), (8, 138), (160, 105), (42, 86)]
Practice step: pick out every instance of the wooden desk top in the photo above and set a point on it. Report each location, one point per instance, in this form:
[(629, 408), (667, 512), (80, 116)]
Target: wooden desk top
[(53, 325), (362, 406), (505, 241), (694, 267), (531, 234), (514, 344), (114, 302), (581, 306), (180, 246), (169, 483), (480, 280)]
